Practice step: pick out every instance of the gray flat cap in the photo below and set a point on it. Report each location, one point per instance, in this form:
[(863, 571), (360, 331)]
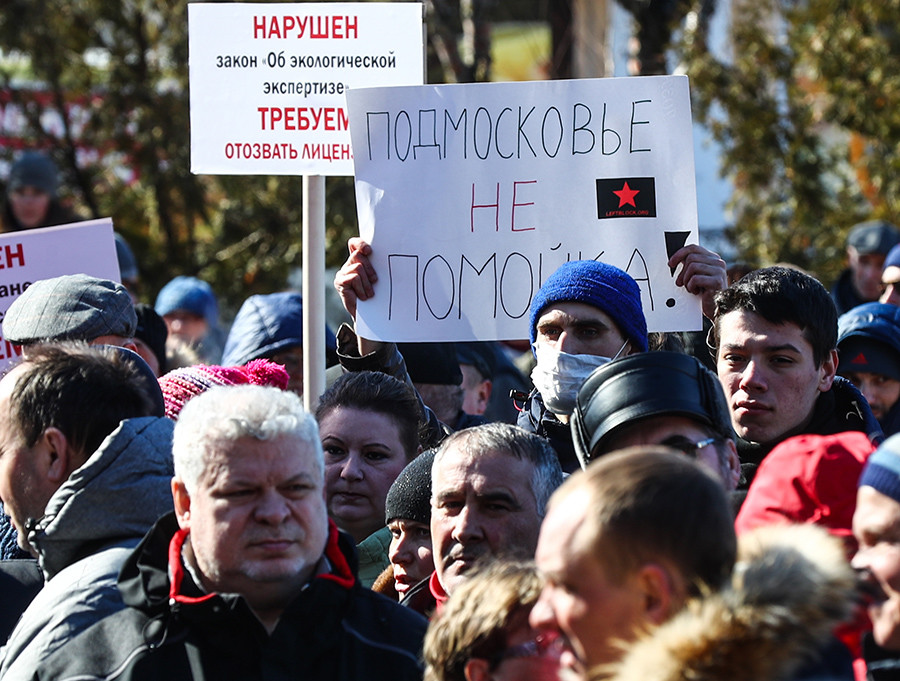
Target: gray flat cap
[(71, 307)]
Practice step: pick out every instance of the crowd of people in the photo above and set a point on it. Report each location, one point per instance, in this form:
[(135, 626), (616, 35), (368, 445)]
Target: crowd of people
[(598, 502)]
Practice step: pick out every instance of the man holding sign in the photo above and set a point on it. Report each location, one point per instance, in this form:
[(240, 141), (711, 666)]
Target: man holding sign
[(586, 313)]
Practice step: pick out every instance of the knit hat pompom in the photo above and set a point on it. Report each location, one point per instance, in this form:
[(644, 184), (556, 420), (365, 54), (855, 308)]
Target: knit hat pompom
[(180, 385), (266, 372), (595, 283)]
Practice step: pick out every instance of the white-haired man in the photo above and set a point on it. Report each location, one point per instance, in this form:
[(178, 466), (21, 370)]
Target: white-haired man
[(248, 578)]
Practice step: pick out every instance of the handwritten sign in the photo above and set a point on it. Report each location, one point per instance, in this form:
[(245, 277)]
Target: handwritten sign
[(472, 195), (28, 256), (268, 81)]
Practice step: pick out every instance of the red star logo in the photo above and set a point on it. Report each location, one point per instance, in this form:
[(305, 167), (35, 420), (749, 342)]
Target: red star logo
[(626, 195)]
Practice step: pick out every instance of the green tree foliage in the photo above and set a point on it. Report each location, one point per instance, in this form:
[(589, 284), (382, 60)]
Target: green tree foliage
[(807, 109)]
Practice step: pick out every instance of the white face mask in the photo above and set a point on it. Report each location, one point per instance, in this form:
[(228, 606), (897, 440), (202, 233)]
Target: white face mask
[(558, 376)]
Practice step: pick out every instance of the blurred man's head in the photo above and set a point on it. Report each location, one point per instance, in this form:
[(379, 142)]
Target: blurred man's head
[(477, 363), (189, 308), (624, 544), (867, 246), (31, 187)]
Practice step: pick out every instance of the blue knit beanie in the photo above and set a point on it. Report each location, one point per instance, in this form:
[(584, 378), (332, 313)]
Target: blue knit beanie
[(191, 294), (595, 283), (882, 471)]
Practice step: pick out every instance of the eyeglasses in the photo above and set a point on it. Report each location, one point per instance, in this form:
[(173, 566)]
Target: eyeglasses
[(548, 644), (685, 446)]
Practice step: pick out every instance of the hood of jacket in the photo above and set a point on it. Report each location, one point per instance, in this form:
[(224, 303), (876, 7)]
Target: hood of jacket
[(873, 321), (790, 587), (266, 325), (117, 494)]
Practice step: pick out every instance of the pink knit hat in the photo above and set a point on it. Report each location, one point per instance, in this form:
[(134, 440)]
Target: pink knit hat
[(180, 385)]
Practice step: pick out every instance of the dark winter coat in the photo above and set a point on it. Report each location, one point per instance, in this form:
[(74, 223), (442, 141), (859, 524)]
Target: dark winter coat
[(266, 325), (537, 419), (335, 630)]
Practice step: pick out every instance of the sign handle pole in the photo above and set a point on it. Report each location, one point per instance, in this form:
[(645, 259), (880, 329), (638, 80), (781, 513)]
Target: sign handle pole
[(313, 289)]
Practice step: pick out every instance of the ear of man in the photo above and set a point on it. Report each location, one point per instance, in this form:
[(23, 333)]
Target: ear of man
[(57, 458), (662, 593), (477, 669), (827, 371), (182, 501)]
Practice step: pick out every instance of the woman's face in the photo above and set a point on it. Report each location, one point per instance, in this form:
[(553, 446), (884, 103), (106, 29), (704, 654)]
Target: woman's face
[(526, 659), (529, 654), (363, 456), (409, 553), (29, 206)]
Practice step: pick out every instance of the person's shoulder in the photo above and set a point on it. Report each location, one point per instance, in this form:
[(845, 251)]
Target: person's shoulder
[(112, 644), (384, 610)]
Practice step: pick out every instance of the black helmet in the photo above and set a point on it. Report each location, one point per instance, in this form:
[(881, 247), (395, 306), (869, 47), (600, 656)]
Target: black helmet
[(642, 385)]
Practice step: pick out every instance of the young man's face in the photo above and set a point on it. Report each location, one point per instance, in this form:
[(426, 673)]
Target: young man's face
[(876, 525), (769, 376)]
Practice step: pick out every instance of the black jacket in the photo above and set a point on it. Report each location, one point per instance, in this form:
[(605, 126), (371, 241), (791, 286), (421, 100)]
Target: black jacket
[(537, 419), (843, 294), (334, 630), (20, 581)]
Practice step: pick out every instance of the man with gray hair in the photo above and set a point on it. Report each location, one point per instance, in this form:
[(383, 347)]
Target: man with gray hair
[(248, 578), (489, 490)]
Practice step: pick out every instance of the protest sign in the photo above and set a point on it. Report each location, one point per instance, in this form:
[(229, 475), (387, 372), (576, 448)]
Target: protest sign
[(472, 195), (28, 256), (268, 80)]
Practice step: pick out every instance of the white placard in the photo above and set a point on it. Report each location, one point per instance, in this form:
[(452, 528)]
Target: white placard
[(268, 81), (25, 257), (472, 195)]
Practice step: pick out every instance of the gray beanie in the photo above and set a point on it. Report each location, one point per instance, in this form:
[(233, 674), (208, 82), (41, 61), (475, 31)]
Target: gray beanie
[(71, 307)]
